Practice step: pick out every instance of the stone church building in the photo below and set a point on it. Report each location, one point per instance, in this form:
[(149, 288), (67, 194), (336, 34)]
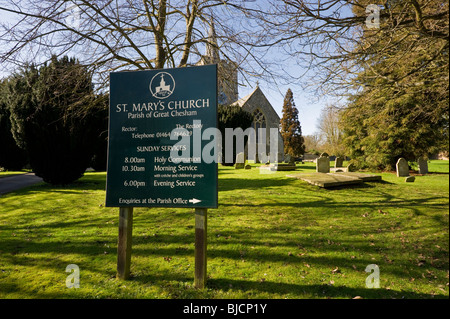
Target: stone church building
[(256, 103)]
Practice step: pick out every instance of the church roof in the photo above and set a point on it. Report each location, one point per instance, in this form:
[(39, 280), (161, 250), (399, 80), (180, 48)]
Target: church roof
[(244, 100), (257, 100)]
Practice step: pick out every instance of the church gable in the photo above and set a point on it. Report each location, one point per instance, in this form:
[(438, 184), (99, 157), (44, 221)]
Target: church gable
[(257, 102)]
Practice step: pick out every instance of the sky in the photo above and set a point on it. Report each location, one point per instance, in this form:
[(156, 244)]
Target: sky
[(308, 106)]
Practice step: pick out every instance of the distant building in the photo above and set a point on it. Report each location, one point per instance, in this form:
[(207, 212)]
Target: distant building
[(264, 117), (227, 71), (256, 103)]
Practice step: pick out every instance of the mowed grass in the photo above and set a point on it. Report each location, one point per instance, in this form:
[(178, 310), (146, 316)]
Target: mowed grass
[(271, 237)]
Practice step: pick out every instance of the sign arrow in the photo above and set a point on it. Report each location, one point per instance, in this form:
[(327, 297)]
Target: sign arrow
[(194, 201)]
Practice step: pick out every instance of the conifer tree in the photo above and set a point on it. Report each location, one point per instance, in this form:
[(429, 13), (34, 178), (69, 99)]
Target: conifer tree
[(230, 116), (291, 130), (12, 157), (56, 117)]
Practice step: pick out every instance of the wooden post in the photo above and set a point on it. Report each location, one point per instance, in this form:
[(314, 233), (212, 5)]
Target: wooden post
[(124, 244), (200, 247)]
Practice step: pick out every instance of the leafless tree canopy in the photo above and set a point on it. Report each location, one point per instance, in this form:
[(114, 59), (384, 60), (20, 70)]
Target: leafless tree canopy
[(334, 40), (115, 35), (329, 39), (330, 132)]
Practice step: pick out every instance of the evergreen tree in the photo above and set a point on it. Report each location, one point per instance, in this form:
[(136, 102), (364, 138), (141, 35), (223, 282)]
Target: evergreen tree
[(54, 116), (402, 103), (291, 130), (393, 123), (100, 158), (12, 157)]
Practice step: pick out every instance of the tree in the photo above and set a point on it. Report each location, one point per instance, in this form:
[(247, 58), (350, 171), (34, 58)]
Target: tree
[(335, 40), (390, 61), (401, 106), (380, 126), (12, 157), (128, 35), (330, 131), (232, 116), (54, 117), (100, 158), (290, 127), (314, 143)]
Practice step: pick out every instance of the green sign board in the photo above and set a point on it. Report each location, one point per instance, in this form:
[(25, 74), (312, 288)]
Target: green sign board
[(158, 153)]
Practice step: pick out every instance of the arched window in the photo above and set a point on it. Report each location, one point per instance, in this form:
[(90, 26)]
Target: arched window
[(259, 122)]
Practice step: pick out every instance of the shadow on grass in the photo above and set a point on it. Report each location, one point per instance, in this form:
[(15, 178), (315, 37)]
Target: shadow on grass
[(175, 285), (228, 184), (14, 249), (172, 281), (88, 182), (315, 290)]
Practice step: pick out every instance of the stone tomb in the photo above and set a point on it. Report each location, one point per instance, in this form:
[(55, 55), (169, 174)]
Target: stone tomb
[(402, 167), (282, 167), (329, 180)]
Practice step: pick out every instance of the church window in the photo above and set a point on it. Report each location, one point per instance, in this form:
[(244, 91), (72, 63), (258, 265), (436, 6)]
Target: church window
[(259, 122)]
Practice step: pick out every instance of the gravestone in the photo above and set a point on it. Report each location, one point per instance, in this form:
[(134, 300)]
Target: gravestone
[(323, 164), (410, 179), (287, 158), (402, 167), (423, 165), (339, 162), (277, 158), (351, 167), (280, 157), (240, 161), (264, 158)]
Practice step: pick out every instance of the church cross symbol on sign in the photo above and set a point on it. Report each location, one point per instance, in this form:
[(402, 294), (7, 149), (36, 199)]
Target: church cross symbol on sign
[(162, 89)]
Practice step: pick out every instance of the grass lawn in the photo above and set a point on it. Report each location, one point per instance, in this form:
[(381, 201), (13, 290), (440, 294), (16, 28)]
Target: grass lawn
[(271, 237)]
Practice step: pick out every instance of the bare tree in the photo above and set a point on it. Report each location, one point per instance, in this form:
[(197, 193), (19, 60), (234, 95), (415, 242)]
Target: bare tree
[(314, 143), (331, 134), (334, 40), (116, 35)]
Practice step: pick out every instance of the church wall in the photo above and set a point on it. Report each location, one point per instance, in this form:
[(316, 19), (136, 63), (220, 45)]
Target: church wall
[(259, 101)]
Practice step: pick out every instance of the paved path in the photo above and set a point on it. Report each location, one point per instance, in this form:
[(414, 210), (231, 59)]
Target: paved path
[(12, 183)]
